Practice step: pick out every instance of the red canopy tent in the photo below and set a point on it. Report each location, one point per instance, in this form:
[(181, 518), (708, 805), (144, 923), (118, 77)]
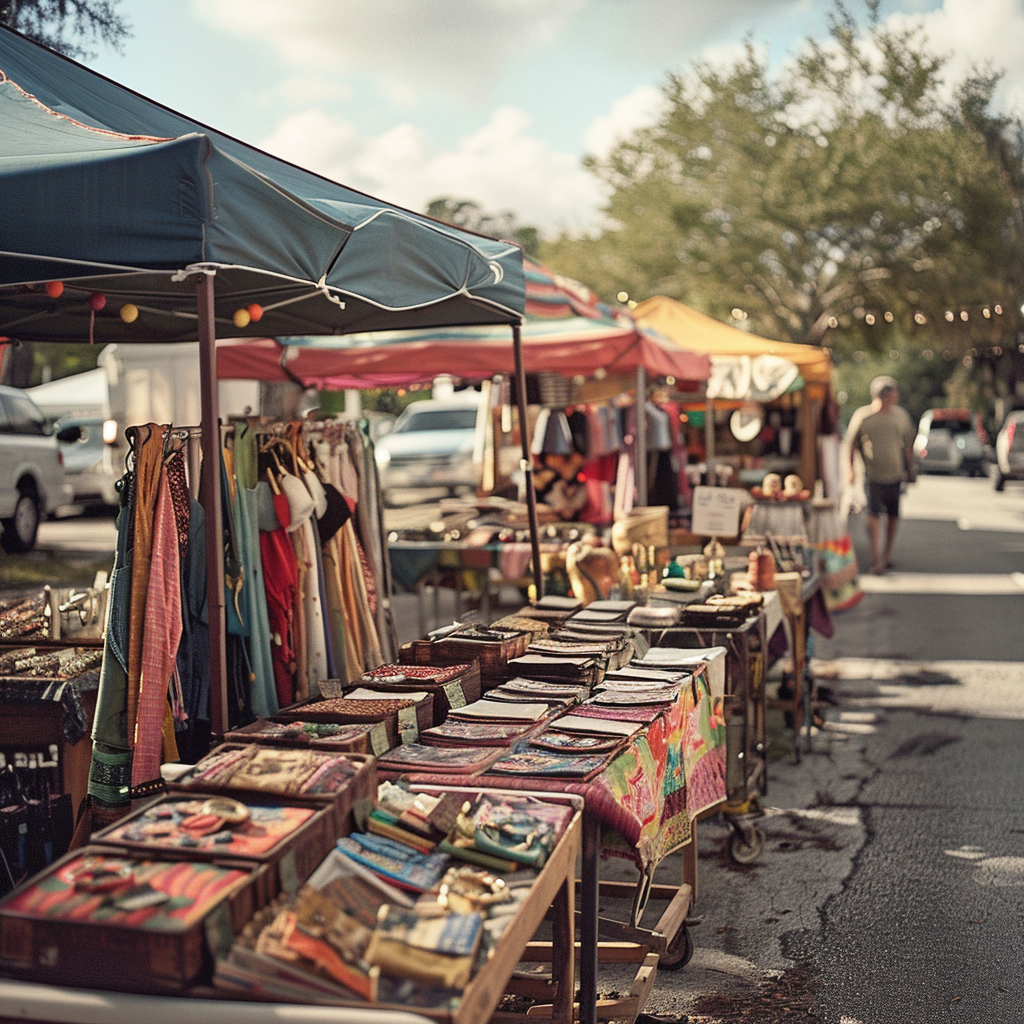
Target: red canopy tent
[(574, 347), (567, 330)]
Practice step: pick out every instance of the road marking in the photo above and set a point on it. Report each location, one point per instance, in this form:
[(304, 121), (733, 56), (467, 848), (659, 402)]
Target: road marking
[(977, 689), (848, 816), (943, 583)]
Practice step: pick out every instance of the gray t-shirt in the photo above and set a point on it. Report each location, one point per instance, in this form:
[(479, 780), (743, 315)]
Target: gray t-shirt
[(881, 437)]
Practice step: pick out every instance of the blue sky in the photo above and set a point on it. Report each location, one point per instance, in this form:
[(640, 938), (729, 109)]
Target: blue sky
[(490, 100)]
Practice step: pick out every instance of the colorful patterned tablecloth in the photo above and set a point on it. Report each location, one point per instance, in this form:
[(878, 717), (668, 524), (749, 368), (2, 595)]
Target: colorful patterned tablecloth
[(650, 792)]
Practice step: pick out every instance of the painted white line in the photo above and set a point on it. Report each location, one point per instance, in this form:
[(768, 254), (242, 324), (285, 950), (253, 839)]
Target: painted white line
[(943, 583), (848, 816)]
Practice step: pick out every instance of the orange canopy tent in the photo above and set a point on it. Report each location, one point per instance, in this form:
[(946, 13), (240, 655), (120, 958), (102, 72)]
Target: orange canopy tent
[(700, 333)]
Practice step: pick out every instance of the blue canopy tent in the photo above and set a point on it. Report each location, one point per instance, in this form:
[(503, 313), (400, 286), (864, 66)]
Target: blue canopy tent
[(124, 221)]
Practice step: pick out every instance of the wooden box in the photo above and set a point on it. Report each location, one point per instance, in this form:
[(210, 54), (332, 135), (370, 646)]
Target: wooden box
[(392, 718), (356, 739), (456, 692), (290, 839), (493, 653), (350, 804), (83, 921)]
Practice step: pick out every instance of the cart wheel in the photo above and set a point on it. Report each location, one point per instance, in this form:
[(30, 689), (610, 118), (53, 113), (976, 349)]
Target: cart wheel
[(746, 846), (679, 951)]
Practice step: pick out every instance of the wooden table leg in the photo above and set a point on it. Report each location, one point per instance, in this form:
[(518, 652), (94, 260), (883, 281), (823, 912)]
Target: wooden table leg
[(563, 951), (589, 884), (689, 861)]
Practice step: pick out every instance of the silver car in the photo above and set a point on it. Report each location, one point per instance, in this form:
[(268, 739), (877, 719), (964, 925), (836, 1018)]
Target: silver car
[(32, 480), (432, 444), (949, 441), (1010, 449)]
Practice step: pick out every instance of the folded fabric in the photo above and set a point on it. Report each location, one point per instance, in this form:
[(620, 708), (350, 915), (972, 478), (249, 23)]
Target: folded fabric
[(419, 757)]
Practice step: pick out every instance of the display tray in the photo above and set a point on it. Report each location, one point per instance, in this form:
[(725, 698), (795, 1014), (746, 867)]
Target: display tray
[(350, 801), (291, 839), (448, 695), (135, 924), (354, 738), (492, 654), (331, 709), (551, 893)]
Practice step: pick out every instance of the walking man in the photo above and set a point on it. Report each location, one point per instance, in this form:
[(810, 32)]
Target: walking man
[(883, 434)]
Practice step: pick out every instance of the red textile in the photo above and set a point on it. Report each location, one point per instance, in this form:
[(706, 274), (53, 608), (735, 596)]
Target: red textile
[(160, 639), (281, 582)]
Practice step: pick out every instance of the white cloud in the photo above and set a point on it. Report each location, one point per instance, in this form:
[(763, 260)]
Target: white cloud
[(501, 166), (455, 46), (304, 90), (981, 32), (637, 109)]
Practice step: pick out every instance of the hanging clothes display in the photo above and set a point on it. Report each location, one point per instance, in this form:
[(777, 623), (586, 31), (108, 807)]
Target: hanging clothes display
[(132, 726), (307, 576)]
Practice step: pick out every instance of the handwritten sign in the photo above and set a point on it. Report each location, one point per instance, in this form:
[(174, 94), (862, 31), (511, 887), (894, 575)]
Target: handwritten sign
[(379, 739), (408, 725), (716, 510), (455, 694)]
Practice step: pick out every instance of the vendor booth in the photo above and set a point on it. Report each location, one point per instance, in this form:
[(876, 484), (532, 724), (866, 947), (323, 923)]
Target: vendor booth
[(800, 401)]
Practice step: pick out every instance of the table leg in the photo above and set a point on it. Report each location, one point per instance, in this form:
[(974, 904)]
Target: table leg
[(689, 861), (589, 885), (563, 951)]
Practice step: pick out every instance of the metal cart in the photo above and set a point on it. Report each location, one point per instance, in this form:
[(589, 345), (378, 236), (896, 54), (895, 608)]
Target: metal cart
[(745, 723)]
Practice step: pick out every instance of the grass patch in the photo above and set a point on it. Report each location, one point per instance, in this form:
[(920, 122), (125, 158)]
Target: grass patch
[(34, 570)]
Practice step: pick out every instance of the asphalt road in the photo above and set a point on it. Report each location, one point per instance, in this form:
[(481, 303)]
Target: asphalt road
[(891, 888)]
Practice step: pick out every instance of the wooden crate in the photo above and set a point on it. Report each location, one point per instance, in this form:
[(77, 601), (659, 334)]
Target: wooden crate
[(358, 744), (350, 805), (145, 950), (306, 711), (290, 861), (447, 696), (492, 655)]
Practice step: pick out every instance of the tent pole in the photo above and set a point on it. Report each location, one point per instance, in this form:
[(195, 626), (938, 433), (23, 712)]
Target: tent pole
[(210, 491), (527, 461), (640, 448)]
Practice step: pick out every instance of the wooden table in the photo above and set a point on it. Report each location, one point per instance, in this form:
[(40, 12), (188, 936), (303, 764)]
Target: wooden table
[(553, 891)]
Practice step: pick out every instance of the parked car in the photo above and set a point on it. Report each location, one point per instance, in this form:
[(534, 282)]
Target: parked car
[(32, 482), (1010, 449), (950, 441), (90, 463), (431, 445)]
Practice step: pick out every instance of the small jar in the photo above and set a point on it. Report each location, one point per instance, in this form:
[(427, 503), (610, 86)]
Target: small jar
[(761, 569)]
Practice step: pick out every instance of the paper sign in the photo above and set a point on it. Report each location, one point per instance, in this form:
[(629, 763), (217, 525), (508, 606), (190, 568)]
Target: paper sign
[(716, 511), (455, 694), (379, 739), (289, 873), (408, 726), (329, 687), (219, 931)]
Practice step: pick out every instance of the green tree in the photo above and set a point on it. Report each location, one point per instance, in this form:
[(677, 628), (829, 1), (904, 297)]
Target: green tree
[(465, 213), (854, 184), (67, 25)]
